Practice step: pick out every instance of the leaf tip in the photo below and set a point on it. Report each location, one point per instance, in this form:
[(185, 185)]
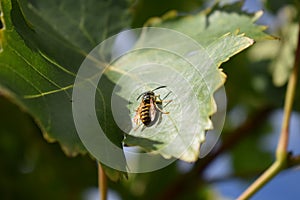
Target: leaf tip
[(70, 152), (155, 21), (250, 40), (257, 15)]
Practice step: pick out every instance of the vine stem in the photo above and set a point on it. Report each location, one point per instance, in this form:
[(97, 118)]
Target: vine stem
[(281, 151), (102, 182)]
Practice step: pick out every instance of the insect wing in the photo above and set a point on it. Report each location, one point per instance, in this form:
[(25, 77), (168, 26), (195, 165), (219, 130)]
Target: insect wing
[(137, 115), (152, 109)]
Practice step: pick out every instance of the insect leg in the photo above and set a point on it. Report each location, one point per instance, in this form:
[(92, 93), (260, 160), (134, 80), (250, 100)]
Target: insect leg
[(137, 127), (138, 124), (159, 100), (160, 110)]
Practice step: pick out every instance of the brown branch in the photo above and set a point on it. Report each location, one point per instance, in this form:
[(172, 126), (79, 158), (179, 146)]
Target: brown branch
[(190, 180), (102, 182), (293, 161)]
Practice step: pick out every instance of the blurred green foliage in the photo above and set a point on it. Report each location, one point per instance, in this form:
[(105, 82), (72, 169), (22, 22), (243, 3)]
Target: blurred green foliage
[(31, 168)]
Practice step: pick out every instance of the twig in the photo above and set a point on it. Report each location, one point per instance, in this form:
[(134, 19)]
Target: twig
[(294, 161), (102, 182), (189, 181), (281, 151)]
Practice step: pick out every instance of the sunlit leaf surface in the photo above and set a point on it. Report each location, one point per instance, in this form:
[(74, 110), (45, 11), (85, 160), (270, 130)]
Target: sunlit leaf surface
[(44, 42)]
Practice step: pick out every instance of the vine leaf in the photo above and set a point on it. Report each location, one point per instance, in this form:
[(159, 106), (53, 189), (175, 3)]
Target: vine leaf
[(40, 55), (42, 44), (222, 37), (280, 53)]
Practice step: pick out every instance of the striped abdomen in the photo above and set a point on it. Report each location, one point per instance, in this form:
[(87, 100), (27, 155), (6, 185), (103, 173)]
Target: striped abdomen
[(145, 114)]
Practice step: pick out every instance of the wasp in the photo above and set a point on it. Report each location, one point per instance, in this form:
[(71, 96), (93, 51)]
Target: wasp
[(146, 112)]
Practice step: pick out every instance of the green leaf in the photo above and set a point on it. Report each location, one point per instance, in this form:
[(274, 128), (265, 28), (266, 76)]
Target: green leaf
[(180, 133), (206, 27), (281, 54), (30, 165), (43, 44), (219, 43)]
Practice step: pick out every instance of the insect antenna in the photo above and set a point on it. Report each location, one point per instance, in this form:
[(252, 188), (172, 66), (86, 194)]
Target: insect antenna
[(159, 87), (141, 95), (151, 90), (167, 95)]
